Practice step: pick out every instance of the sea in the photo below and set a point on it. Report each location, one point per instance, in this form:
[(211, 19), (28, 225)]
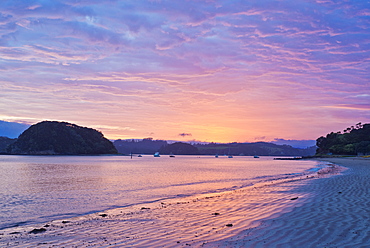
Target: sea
[(39, 189)]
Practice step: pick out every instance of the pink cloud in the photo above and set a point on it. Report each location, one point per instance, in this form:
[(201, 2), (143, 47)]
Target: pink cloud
[(360, 107), (224, 70)]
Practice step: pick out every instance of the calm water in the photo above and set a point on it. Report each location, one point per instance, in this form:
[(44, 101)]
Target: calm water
[(37, 189)]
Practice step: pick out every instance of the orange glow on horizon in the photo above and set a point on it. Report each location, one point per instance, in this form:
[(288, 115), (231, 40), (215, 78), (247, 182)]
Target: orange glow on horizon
[(217, 71)]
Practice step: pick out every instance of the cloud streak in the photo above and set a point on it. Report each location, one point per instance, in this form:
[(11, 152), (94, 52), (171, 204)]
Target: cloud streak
[(225, 70)]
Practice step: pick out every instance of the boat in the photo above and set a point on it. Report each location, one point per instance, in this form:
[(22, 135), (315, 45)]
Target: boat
[(229, 155), (156, 155), (255, 156), (216, 156), (140, 156), (171, 155)]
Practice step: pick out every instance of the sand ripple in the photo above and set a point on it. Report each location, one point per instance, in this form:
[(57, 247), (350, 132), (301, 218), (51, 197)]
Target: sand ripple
[(337, 215)]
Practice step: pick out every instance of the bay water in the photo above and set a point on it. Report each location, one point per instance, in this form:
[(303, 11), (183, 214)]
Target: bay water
[(38, 189)]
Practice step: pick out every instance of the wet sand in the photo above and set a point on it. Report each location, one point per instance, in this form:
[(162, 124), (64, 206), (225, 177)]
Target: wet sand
[(325, 209), (336, 216)]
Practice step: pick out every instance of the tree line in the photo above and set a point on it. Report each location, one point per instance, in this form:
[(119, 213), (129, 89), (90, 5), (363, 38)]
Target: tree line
[(354, 140)]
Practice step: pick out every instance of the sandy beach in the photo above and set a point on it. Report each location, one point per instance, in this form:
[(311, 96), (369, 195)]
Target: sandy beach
[(328, 209)]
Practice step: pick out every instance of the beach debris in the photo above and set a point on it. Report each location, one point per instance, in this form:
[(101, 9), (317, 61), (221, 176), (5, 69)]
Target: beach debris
[(38, 230), (143, 208), (216, 214), (47, 225), (65, 221), (229, 225), (295, 198), (103, 215)]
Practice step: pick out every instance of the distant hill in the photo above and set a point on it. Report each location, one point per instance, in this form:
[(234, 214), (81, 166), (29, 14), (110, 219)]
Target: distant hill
[(295, 143), (354, 140), (61, 138), (12, 129), (145, 146), (4, 143), (251, 149), (179, 148), (150, 146)]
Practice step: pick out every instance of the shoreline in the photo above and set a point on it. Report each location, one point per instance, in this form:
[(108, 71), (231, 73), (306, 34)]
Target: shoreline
[(43, 213), (335, 217), (242, 218)]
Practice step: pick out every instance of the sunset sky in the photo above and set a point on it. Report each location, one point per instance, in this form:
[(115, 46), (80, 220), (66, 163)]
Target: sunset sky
[(219, 71)]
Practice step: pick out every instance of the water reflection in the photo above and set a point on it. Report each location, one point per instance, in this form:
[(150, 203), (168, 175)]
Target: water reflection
[(33, 188)]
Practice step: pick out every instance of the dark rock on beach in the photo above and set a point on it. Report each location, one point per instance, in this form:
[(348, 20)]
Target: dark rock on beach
[(38, 230)]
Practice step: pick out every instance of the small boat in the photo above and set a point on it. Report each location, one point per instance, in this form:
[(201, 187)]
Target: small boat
[(171, 155), (255, 156), (216, 156), (229, 156), (156, 155), (140, 156)]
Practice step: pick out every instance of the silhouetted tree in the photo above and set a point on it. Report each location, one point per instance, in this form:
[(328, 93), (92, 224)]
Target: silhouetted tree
[(351, 142)]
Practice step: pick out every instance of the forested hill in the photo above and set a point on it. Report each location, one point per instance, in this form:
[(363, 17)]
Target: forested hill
[(61, 138), (251, 149), (354, 140), (4, 143), (145, 146), (150, 146)]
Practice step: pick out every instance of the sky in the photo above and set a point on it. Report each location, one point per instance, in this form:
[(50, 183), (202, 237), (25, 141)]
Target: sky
[(214, 71)]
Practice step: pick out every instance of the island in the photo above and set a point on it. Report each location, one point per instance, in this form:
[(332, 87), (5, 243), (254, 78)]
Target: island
[(60, 138)]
